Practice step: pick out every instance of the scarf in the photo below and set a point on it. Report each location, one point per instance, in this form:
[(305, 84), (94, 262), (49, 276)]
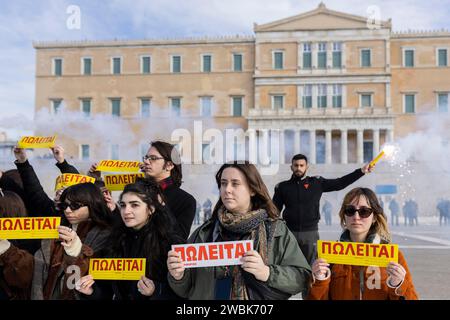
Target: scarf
[(250, 225), (371, 238), (164, 184)]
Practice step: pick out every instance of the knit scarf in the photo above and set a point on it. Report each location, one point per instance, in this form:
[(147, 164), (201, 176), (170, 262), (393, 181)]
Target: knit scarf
[(250, 225)]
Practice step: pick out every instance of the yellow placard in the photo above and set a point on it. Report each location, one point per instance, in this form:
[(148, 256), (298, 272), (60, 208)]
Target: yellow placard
[(29, 228), (117, 269), (357, 253), (118, 166), (70, 179), (117, 182), (36, 142)]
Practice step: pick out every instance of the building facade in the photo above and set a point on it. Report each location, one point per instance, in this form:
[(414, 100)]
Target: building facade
[(335, 88)]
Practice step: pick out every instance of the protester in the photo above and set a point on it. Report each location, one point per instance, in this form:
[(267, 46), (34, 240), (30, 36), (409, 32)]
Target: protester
[(39, 203), (162, 162), (84, 230), (16, 264), (146, 231), (275, 269), (362, 220), (301, 198)]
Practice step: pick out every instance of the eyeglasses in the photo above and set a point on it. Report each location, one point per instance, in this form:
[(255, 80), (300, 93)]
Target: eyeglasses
[(151, 158), (364, 212), (73, 206)]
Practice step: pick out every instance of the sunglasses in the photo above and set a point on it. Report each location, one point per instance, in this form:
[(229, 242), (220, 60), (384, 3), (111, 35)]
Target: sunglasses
[(73, 206), (364, 212)]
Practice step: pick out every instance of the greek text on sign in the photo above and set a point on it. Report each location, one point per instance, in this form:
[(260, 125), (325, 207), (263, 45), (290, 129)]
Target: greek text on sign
[(118, 166), (117, 269), (29, 228), (36, 142), (117, 182), (70, 179), (357, 253), (211, 254)]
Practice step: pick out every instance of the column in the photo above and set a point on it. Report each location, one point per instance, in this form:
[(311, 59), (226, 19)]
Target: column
[(312, 146), (297, 141), (360, 145), (390, 135), (376, 142), (252, 146), (328, 155), (344, 147), (282, 149)]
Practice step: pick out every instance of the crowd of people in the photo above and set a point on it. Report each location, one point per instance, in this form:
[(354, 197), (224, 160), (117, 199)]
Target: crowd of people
[(154, 213)]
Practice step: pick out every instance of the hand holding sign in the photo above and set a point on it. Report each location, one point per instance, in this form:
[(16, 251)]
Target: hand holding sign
[(396, 274), (320, 269), (93, 172), (175, 265), (70, 240), (146, 287), (20, 154), (253, 263), (84, 285), (58, 153)]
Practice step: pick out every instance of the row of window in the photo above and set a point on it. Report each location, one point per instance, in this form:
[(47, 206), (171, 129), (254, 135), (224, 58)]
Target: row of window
[(277, 102), (206, 106), (365, 99), (176, 64), (365, 60)]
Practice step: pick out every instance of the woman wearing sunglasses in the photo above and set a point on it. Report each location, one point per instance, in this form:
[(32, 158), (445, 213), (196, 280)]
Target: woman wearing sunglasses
[(84, 231), (363, 220)]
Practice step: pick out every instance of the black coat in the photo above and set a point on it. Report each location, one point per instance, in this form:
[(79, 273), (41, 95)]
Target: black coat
[(301, 198), (132, 246), (182, 205), (39, 204)]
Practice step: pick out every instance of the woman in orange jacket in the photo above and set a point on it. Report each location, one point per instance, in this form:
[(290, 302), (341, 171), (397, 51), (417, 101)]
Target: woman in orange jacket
[(363, 220)]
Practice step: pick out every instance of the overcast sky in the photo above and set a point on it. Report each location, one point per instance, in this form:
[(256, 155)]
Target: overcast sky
[(22, 22)]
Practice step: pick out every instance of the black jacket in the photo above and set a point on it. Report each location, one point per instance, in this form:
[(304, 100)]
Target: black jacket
[(301, 198), (132, 246), (182, 205), (39, 204)]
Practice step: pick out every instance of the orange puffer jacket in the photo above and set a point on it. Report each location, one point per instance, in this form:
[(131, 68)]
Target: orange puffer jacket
[(362, 283)]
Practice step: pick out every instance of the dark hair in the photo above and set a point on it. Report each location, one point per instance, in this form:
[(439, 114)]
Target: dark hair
[(379, 225), (299, 157), (13, 177), (261, 199), (159, 232), (170, 154), (11, 205), (89, 195)]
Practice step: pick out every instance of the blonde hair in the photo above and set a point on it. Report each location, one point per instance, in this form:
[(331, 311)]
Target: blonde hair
[(379, 225)]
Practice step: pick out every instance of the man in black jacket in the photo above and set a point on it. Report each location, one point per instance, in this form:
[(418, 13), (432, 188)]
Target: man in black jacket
[(301, 195), (162, 162)]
